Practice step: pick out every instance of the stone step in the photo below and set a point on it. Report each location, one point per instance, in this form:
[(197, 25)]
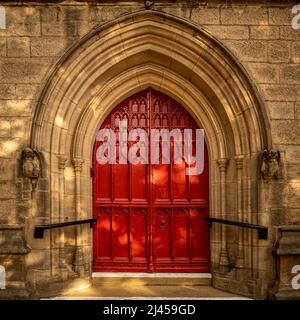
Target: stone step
[(151, 279)]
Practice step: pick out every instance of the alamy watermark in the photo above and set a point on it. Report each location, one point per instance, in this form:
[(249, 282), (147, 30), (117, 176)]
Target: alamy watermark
[(2, 278), (296, 18), (118, 148), (2, 17), (296, 278)]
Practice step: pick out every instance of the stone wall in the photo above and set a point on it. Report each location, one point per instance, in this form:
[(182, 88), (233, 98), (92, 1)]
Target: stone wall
[(260, 36)]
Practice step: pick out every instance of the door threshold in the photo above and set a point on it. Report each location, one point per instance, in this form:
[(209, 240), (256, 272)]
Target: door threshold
[(150, 275)]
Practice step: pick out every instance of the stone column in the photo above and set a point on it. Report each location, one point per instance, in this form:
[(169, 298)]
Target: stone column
[(239, 263), (62, 262), (79, 261), (224, 259)]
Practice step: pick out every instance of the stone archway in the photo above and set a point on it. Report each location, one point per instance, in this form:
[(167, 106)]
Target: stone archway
[(176, 57)]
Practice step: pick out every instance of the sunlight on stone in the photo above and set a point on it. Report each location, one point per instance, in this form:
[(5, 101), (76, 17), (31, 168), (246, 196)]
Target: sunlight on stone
[(59, 121)]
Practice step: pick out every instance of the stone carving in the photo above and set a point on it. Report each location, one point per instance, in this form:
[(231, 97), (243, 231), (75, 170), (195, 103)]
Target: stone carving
[(269, 164), (31, 166), (149, 5)]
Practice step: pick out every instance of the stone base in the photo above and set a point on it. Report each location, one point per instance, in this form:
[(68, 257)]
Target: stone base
[(247, 287)]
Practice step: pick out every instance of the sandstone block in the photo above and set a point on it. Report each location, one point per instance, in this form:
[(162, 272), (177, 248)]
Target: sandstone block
[(290, 74), (252, 50), (280, 16), (18, 47), (286, 132), (281, 92), (292, 153), (49, 46), (202, 15), (33, 70), (279, 51), (4, 128), (7, 190), (27, 91), (263, 72), (281, 110), (22, 21), (106, 13), (292, 195), (75, 13), (244, 15), (20, 127), (288, 33), (229, 32), (7, 169), (264, 32), (2, 47), (7, 91), (8, 147), (295, 52), (15, 107), (66, 28)]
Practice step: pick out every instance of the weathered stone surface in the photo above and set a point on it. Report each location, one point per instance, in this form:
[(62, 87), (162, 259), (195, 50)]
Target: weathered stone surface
[(9, 147), (4, 128), (50, 13), (263, 72), (49, 46), (20, 127), (288, 33), (7, 91), (292, 153), (281, 16), (286, 131), (18, 47), (279, 51), (252, 50), (206, 15), (3, 47), (33, 70), (295, 52), (22, 21), (66, 28), (7, 190), (27, 91), (228, 32), (281, 110), (264, 32), (279, 92), (15, 107), (297, 110), (7, 169), (290, 74), (8, 210), (244, 15), (106, 13)]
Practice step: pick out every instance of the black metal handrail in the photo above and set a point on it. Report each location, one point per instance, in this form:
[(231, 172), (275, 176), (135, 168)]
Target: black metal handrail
[(39, 230), (262, 231)]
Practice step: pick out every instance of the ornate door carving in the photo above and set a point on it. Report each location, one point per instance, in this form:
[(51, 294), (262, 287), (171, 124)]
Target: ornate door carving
[(150, 217)]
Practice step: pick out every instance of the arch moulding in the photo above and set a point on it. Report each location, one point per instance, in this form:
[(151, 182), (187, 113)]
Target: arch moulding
[(182, 60)]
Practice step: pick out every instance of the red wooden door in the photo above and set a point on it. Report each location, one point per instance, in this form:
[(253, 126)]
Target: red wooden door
[(150, 216)]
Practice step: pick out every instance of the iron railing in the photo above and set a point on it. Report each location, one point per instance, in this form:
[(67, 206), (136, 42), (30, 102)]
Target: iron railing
[(262, 231), (39, 230)]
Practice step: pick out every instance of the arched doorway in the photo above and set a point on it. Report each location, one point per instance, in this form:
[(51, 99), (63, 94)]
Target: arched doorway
[(182, 60), (150, 217)]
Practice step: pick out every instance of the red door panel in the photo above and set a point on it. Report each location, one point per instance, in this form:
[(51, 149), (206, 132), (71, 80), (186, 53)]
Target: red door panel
[(150, 217)]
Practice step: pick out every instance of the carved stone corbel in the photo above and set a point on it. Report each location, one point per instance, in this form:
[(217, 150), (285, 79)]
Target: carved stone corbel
[(31, 166), (269, 167)]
